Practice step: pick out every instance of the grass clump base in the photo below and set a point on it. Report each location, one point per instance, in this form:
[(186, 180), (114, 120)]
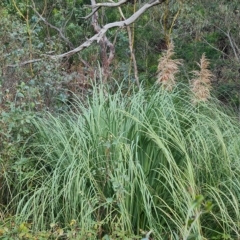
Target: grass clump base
[(124, 165)]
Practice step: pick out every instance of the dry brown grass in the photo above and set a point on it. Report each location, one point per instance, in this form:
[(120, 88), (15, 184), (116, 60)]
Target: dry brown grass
[(201, 84), (167, 68)]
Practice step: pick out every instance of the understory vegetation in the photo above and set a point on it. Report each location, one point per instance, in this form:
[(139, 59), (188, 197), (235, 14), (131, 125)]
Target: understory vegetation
[(126, 132), (121, 165)]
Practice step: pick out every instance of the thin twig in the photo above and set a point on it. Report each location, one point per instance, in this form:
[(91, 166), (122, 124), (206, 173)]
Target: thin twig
[(25, 63), (232, 45)]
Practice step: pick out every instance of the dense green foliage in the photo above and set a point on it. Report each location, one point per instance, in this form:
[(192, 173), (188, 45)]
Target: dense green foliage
[(83, 159), (149, 161)]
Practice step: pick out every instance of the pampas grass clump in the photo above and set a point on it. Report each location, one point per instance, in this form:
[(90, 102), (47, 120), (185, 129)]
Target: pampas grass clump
[(201, 84), (167, 69)]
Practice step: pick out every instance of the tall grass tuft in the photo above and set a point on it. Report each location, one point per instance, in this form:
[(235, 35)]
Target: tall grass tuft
[(123, 164)]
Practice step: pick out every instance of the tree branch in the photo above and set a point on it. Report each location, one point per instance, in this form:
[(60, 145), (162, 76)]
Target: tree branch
[(25, 63), (97, 6), (97, 37), (107, 4), (232, 45)]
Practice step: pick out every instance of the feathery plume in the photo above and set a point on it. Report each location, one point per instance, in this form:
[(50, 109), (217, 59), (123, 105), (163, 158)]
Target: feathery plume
[(201, 84), (167, 68)]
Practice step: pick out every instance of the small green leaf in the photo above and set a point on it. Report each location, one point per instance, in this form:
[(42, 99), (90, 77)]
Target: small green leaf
[(20, 95)]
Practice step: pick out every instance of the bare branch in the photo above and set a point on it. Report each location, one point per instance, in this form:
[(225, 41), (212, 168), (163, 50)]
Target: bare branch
[(89, 15), (232, 45), (107, 4), (97, 37), (97, 6), (25, 63), (222, 52)]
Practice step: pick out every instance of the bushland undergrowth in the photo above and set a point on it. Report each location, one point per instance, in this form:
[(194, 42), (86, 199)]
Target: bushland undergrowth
[(157, 161), (119, 165)]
